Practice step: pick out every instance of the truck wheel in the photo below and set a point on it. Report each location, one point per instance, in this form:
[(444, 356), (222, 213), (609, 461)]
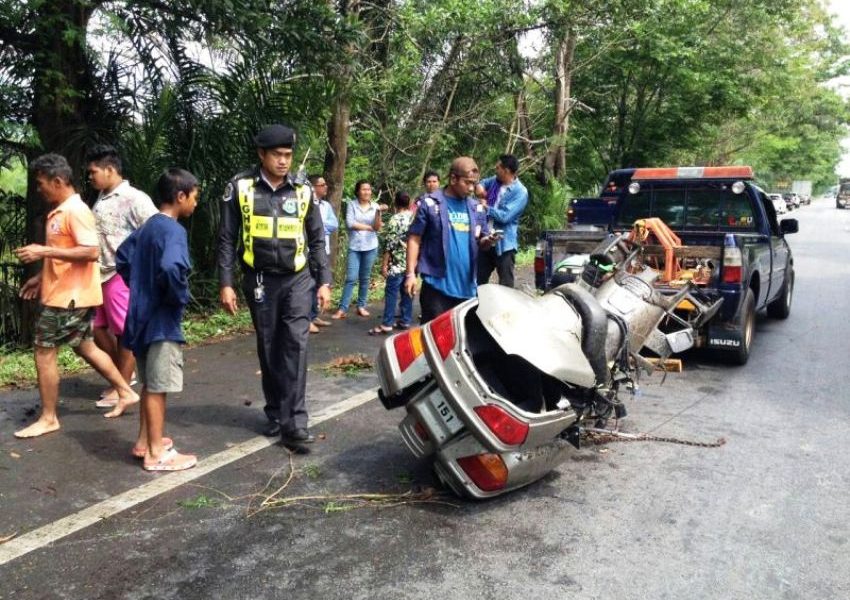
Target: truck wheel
[(781, 307), (748, 329)]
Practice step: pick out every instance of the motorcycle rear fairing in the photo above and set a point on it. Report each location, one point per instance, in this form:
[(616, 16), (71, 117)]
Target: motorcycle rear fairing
[(463, 384), (545, 331), (524, 466)]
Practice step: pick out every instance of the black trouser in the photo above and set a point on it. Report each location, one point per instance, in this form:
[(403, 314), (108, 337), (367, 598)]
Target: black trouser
[(434, 302), (488, 260), (282, 324)]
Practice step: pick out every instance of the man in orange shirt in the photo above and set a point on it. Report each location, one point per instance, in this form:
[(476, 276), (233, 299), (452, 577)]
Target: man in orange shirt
[(69, 289)]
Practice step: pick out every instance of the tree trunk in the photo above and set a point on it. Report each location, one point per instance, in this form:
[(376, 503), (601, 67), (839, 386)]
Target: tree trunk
[(335, 158), (61, 80), (555, 162), (523, 123)]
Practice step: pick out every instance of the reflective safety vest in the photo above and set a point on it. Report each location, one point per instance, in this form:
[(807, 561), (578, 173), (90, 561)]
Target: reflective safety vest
[(276, 227)]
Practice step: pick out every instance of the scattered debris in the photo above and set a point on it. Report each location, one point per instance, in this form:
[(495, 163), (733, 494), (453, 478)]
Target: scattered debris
[(670, 365), (312, 471), (349, 365), (7, 538), (337, 502), (201, 501), (14, 455)]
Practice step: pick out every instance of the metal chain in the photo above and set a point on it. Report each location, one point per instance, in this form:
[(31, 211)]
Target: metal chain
[(598, 437)]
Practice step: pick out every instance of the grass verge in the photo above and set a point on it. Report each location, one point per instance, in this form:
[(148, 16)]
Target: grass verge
[(17, 367)]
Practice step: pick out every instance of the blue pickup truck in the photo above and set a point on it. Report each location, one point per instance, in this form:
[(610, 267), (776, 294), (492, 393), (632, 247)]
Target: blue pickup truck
[(728, 230)]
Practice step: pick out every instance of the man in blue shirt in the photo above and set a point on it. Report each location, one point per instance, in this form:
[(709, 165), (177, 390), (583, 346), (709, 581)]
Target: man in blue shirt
[(331, 224), (505, 202), (154, 262), (443, 242)]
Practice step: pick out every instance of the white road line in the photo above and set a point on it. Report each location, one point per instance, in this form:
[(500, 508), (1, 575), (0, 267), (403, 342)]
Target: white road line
[(56, 530)]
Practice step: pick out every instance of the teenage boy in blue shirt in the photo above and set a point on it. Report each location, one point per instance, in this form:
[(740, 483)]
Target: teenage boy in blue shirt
[(443, 242), (154, 261)]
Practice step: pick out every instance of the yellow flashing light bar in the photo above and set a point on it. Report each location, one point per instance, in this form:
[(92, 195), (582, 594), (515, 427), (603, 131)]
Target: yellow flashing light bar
[(694, 173)]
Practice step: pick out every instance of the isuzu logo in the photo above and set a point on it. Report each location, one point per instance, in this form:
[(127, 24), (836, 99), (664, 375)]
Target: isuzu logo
[(720, 342)]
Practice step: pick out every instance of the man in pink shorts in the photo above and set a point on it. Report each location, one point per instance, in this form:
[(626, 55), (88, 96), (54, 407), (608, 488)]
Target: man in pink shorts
[(120, 209)]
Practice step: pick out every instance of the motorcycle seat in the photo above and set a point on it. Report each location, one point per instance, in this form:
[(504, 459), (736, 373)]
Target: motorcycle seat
[(594, 324)]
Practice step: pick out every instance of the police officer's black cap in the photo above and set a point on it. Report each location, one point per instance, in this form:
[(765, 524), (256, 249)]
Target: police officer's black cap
[(275, 136)]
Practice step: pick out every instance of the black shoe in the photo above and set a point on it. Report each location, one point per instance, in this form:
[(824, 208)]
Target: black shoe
[(272, 429), (299, 436), (295, 447)]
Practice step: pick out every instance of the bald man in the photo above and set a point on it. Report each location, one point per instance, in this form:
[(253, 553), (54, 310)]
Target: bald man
[(444, 239)]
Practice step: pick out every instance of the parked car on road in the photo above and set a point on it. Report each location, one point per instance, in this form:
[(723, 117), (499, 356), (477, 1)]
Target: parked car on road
[(779, 204), (792, 199)]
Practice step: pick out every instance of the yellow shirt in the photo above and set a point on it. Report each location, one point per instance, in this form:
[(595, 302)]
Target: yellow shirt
[(65, 282)]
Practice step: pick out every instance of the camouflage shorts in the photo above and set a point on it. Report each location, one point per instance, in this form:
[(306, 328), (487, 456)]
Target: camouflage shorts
[(58, 326)]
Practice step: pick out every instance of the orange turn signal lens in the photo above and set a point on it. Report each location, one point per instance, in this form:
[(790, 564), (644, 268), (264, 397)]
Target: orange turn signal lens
[(487, 471), (408, 347)]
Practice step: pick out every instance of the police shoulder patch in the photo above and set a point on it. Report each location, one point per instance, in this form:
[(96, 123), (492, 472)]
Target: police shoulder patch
[(228, 192)]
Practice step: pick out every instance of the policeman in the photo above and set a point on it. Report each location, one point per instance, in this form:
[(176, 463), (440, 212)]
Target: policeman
[(269, 220)]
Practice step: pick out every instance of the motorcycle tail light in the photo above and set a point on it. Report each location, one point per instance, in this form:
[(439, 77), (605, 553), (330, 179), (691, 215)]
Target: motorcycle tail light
[(419, 428), (487, 471), (408, 347), (505, 426), (443, 330)]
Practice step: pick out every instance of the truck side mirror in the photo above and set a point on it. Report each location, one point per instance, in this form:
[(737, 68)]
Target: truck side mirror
[(789, 226)]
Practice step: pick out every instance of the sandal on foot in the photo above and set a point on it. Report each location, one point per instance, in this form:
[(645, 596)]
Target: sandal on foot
[(362, 311), (380, 330), (107, 402), (171, 460), (340, 314), (167, 444)]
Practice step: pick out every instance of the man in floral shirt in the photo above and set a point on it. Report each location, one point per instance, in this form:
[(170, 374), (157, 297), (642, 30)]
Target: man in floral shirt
[(394, 267), (120, 209)]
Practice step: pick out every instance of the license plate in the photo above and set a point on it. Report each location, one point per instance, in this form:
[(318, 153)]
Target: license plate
[(446, 413)]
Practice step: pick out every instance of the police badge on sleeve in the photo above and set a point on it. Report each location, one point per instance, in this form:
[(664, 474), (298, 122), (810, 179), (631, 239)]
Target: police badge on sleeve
[(228, 192)]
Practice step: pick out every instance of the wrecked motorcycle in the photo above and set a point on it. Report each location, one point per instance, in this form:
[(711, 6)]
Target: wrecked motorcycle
[(498, 389)]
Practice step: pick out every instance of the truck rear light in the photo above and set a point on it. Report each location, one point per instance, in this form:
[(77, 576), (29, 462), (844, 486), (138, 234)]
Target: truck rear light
[(732, 274), (487, 471), (408, 347), (443, 330), (571, 215), (732, 260), (539, 264), (505, 426)]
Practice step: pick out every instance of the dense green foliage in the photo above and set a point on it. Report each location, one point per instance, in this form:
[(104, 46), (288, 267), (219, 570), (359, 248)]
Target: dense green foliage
[(409, 84)]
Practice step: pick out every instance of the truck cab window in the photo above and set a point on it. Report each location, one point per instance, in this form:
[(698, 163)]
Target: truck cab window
[(714, 205)]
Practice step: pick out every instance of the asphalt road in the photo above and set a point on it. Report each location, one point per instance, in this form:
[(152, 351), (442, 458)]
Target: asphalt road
[(764, 516)]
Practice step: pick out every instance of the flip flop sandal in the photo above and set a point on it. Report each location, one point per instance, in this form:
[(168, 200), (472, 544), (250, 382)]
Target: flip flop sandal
[(172, 461), (363, 312), (107, 402), (167, 444), (380, 330), (104, 393)]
